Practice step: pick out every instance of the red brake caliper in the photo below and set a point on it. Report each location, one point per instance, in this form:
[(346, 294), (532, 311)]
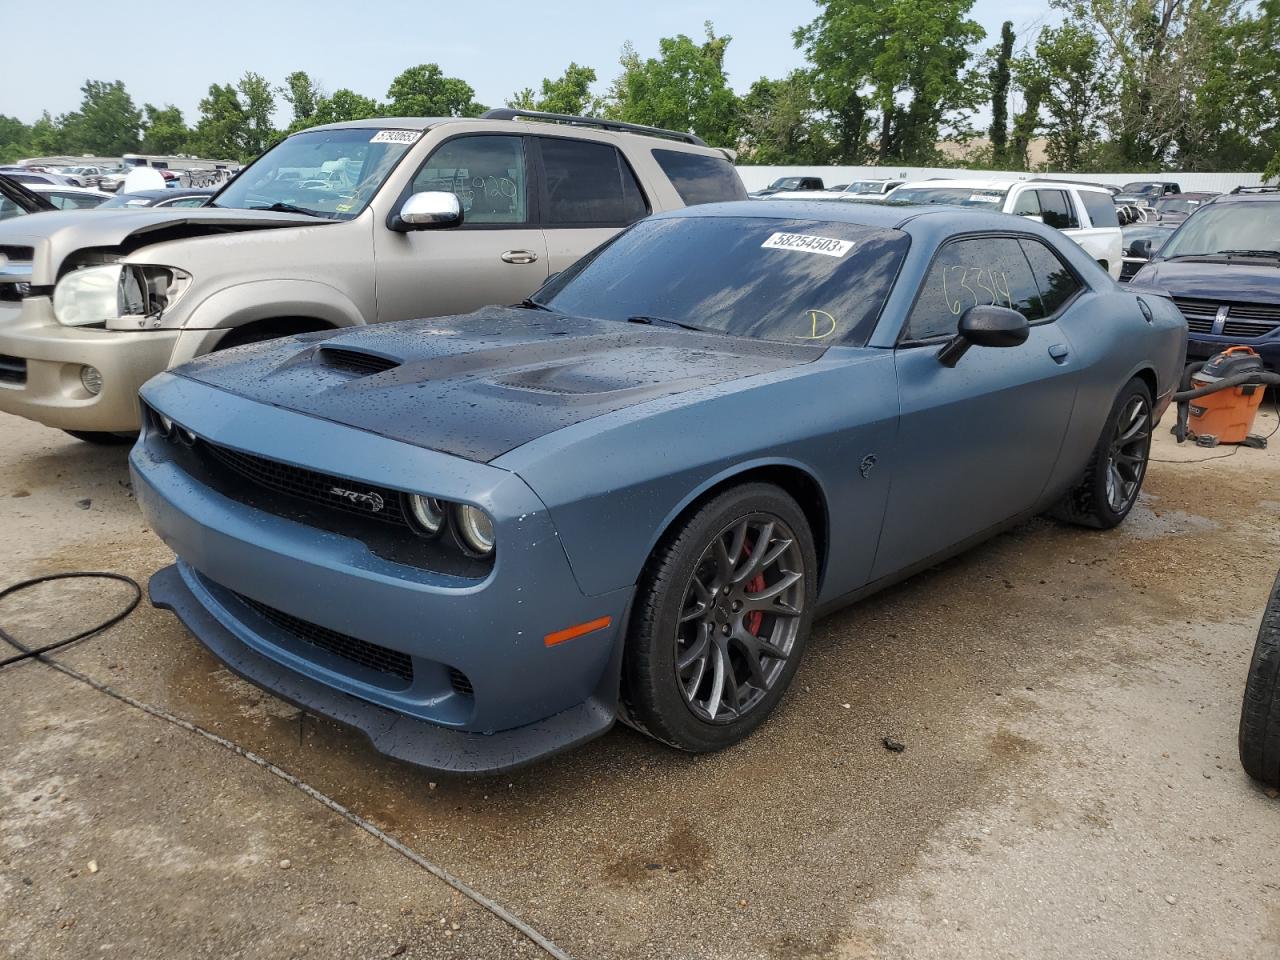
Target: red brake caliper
[(755, 618)]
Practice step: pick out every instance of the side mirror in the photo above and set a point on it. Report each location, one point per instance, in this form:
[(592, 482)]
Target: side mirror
[(1141, 248), (429, 210), (985, 327)]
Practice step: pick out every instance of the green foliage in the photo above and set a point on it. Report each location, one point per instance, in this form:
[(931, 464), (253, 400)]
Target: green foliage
[(1074, 93), (303, 95), (259, 102), (780, 122), (683, 88), (164, 131), (345, 105), (220, 132), (424, 91), (1001, 77), (15, 139), (107, 123)]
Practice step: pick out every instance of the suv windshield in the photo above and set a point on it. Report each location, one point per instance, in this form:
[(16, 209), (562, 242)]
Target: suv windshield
[(1142, 188), (961, 196), (1176, 206), (799, 281), (326, 173), (785, 183), (1227, 227)]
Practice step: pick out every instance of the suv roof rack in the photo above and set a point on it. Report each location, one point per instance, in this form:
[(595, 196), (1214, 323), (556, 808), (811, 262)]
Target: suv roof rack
[(1078, 183), (1260, 188), (508, 113)]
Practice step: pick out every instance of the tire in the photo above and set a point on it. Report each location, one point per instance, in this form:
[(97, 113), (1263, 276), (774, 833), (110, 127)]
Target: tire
[(1260, 713), (260, 332), (1110, 484), (688, 600), (103, 439)]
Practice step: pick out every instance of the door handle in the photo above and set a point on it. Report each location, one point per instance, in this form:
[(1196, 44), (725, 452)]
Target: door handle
[(520, 256), (1059, 352)]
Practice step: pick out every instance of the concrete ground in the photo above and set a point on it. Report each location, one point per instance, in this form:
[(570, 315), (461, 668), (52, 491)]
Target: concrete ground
[(1069, 788)]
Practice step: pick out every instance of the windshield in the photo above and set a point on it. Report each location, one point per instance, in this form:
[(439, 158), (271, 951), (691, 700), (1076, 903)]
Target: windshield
[(1177, 206), (798, 281), (1222, 227), (863, 186), (328, 173), (785, 183), (961, 196), (1141, 188)]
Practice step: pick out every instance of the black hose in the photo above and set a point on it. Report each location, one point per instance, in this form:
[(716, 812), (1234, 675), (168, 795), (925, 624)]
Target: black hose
[(29, 653), (1187, 393)]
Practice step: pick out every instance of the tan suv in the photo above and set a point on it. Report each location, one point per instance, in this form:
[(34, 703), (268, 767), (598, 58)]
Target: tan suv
[(335, 226)]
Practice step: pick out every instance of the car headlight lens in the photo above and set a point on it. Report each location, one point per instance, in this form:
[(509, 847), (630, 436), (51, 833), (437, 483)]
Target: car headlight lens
[(427, 513), (117, 292), (475, 529)]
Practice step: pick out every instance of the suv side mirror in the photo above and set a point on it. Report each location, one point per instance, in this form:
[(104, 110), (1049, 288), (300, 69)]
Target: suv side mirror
[(1141, 248), (429, 210), (985, 327)]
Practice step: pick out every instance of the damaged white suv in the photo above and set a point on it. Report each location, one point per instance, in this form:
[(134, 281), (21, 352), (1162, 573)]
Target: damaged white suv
[(335, 226)]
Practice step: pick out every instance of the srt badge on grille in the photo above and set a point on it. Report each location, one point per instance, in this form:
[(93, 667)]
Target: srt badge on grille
[(370, 501)]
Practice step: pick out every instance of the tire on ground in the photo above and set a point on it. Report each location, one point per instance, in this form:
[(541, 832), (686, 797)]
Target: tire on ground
[(1260, 713), (651, 699)]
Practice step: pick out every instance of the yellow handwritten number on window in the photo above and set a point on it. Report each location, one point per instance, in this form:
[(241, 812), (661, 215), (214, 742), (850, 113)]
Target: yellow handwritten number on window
[(821, 325)]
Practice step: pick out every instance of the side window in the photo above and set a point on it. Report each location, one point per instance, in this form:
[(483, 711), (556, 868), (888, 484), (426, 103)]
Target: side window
[(966, 273), (487, 174), (1027, 204), (700, 178), (589, 184), (1057, 209), (1056, 283), (1102, 212)]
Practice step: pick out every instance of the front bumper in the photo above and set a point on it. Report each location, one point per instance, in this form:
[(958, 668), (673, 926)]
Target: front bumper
[(1201, 346), (41, 362), (521, 699)]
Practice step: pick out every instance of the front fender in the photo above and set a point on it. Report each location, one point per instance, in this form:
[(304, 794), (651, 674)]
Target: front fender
[(244, 303)]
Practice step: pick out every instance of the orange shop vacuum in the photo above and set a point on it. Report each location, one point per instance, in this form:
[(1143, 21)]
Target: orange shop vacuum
[(1220, 398)]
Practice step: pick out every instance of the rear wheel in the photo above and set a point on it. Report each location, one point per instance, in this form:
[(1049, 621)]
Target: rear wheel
[(1260, 714), (1109, 487), (721, 620)]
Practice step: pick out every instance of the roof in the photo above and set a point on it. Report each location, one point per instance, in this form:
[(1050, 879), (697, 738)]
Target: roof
[(390, 123), (871, 213), (1001, 183), (65, 188), (168, 192)]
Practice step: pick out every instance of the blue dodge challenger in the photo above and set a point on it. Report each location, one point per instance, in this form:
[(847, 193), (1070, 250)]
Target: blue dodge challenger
[(482, 539)]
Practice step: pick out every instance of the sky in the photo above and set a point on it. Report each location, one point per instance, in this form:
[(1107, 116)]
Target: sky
[(498, 46)]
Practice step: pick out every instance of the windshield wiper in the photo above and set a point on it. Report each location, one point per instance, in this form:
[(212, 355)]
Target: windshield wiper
[(531, 304), (279, 207), (1270, 254), (671, 323)]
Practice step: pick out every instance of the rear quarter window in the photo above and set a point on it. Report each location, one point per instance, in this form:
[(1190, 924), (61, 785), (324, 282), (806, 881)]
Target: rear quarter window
[(1102, 212), (699, 178)]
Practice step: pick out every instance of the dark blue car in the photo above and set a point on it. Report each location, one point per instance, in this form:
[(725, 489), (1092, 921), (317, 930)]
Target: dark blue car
[(482, 539), (1222, 268)]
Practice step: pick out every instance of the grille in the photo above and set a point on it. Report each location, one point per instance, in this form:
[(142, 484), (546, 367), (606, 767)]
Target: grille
[(351, 496), (356, 361), (1245, 321), (1248, 328), (13, 369), (1261, 312), (461, 683), (17, 254), (370, 655), (1197, 311), (1128, 268)]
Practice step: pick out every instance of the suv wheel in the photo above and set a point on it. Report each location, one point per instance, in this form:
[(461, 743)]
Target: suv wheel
[(1260, 714)]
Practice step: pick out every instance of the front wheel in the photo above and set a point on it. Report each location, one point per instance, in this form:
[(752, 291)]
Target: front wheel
[(1260, 713), (720, 621), (1109, 487)]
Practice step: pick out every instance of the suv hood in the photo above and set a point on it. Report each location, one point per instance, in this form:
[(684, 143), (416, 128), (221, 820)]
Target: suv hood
[(481, 385), (1255, 281), (56, 235)]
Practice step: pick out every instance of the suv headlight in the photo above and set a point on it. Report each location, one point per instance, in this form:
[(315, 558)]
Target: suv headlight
[(130, 292)]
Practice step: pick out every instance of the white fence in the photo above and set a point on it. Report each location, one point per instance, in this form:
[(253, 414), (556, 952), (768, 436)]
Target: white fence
[(758, 177)]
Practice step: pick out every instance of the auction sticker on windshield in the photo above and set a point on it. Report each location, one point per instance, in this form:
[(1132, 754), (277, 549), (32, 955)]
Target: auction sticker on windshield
[(395, 136), (828, 246)]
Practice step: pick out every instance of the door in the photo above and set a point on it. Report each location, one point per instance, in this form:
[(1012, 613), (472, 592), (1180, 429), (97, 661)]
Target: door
[(977, 442), (589, 194), (498, 255)]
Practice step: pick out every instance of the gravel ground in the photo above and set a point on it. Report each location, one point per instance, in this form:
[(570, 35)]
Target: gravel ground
[(1068, 702)]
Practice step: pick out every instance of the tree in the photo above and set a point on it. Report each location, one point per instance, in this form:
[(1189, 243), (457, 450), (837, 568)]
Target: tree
[(345, 105), (164, 131), (47, 137), (304, 96), (1074, 92), (780, 124), (259, 103), (15, 139), (684, 88), (901, 59), (569, 93), (1261, 104), (424, 91), (1001, 75), (107, 122), (220, 132)]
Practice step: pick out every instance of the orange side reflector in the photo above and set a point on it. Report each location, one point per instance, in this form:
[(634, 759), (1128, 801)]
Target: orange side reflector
[(569, 633)]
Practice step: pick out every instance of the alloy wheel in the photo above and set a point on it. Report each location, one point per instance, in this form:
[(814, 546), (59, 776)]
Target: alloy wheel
[(1127, 454), (739, 618)]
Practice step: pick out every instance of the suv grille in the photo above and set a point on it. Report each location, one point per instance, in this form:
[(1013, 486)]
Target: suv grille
[(13, 370), (369, 655), (351, 496), (1245, 321)]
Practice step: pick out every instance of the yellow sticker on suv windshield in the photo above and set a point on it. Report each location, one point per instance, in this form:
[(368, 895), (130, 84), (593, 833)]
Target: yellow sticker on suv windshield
[(827, 246)]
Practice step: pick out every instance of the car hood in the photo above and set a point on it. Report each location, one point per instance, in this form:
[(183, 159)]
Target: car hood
[(480, 385), (54, 236), (1238, 282)]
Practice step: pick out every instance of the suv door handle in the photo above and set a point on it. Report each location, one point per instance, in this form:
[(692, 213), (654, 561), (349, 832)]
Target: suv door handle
[(1059, 352), (520, 256)]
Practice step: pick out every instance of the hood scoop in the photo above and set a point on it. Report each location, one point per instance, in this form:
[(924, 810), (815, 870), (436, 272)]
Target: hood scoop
[(359, 363)]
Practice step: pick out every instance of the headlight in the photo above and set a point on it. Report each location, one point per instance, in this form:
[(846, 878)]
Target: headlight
[(116, 292), (427, 513), (475, 529), (91, 378)]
